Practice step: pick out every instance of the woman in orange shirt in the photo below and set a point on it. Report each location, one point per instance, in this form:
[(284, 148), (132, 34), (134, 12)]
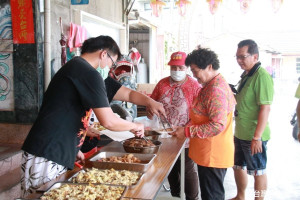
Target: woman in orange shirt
[(210, 128)]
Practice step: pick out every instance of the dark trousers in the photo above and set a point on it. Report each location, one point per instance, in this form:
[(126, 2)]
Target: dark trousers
[(211, 182), (191, 182)]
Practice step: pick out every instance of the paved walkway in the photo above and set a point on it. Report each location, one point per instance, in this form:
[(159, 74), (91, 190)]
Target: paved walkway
[(283, 166)]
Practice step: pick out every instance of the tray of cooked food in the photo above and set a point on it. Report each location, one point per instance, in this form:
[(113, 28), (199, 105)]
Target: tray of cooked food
[(107, 176), (140, 145), (121, 160), (63, 190)]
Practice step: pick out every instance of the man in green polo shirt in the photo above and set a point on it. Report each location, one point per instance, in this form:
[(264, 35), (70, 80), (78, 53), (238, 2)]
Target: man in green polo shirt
[(297, 95), (254, 99)]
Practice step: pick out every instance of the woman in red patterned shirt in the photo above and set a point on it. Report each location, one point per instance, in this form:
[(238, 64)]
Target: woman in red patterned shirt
[(176, 93)]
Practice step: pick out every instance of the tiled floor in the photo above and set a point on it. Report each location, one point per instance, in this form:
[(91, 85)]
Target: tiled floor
[(283, 154)]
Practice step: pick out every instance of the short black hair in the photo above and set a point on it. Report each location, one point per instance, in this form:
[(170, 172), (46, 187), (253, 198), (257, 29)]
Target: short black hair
[(101, 42), (252, 46), (202, 57)]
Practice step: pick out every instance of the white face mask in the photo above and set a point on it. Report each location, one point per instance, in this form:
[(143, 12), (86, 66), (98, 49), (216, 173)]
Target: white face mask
[(178, 75)]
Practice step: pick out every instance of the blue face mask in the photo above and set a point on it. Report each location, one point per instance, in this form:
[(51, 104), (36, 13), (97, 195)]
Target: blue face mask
[(103, 72)]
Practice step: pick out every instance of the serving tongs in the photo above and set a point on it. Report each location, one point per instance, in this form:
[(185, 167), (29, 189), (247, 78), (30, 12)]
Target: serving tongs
[(146, 139), (164, 120)]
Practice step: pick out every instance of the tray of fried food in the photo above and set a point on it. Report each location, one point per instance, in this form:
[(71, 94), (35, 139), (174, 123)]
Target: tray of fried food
[(140, 145), (126, 158), (107, 176), (63, 190), (121, 160)]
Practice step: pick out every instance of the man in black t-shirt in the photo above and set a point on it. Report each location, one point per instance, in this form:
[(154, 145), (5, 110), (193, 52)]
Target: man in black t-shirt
[(112, 86), (54, 139)]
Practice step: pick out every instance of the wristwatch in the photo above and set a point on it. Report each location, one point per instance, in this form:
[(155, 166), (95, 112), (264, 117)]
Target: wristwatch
[(256, 139)]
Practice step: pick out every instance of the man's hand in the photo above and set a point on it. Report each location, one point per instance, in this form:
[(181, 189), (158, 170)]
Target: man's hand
[(129, 95), (149, 113), (155, 108), (256, 147), (138, 131)]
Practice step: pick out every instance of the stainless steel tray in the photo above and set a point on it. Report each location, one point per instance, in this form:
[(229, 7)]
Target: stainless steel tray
[(153, 135), (85, 170), (147, 161), (59, 184), (142, 150)]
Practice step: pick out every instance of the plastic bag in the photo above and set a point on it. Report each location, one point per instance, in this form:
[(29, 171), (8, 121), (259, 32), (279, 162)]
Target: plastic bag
[(150, 124)]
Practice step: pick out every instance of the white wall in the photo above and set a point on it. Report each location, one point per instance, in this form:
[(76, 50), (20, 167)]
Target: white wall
[(109, 10)]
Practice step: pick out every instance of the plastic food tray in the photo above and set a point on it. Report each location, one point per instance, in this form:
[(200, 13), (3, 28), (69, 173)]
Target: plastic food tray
[(147, 161), (59, 184), (85, 170)]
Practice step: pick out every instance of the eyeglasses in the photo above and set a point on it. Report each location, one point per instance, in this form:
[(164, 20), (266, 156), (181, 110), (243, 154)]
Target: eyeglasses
[(114, 63), (242, 57)]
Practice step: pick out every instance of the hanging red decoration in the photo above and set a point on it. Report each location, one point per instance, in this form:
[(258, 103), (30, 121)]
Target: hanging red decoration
[(213, 5), (276, 5), (182, 6), (245, 5), (156, 6)]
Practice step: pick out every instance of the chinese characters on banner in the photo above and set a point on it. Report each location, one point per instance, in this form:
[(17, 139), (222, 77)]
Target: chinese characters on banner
[(22, 21)]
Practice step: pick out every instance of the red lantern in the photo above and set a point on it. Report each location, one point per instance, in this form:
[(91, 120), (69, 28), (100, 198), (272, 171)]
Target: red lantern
[(182, 6), (245, 5), (213, 5), (156, 6), (276, 4)]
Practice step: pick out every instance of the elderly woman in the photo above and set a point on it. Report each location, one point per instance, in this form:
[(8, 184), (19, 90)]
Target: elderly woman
[(210, 129), (176, 92)]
